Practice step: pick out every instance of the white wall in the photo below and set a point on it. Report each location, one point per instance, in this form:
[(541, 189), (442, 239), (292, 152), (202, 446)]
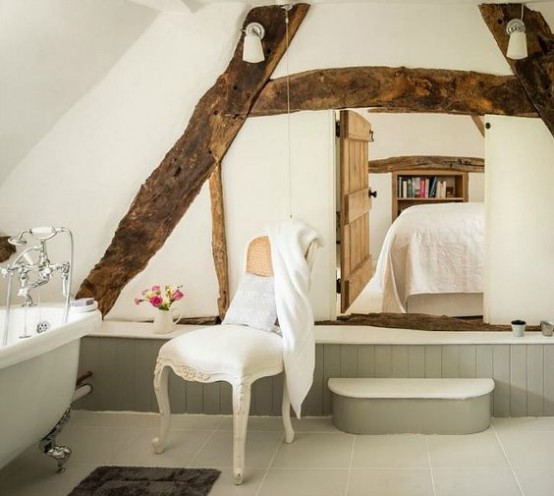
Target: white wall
[(519, 258), (86, 169), (258, 191)]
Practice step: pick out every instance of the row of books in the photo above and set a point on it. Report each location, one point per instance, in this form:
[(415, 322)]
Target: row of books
[(421, 187)]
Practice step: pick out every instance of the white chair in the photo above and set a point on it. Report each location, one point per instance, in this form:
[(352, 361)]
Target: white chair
[(236, 354)]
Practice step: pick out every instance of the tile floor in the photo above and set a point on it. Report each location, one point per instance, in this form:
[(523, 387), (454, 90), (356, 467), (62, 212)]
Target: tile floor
[(513, 457)]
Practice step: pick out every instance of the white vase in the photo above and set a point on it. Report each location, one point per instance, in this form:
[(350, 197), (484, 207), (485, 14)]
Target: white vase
[(166, 320)]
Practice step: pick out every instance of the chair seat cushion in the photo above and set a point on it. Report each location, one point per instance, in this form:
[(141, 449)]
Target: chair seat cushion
[(231, 350)]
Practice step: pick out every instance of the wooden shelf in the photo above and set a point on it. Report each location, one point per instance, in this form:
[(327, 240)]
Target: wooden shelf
[(406, 182)]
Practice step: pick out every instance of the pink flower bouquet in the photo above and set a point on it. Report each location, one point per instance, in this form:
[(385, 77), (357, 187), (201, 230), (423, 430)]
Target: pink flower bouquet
[(160, 298)]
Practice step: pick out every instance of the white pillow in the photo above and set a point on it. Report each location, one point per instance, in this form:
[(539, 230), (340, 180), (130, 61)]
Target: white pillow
[(254, 303)]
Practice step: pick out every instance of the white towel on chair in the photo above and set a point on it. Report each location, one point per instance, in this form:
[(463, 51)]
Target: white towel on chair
[(290, 241)]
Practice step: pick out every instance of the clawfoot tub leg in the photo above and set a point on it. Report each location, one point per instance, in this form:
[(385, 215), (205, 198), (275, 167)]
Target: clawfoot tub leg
[(49, 447), (161, 379)]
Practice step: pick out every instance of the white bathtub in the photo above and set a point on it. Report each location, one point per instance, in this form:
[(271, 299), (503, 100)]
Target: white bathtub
[(37, 374)]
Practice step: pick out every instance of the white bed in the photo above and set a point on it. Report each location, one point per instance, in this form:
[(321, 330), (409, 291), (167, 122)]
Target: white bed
[(432, 260)]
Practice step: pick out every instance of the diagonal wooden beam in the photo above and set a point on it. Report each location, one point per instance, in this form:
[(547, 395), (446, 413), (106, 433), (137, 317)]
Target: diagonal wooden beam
[(479, 124), (536, 72), (389, 88), (167, 194)]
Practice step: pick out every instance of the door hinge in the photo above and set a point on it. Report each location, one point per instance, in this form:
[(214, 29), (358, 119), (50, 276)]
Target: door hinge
[(337, 129)]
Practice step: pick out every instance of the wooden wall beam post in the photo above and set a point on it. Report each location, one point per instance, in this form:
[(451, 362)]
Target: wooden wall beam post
[(6, 249), (415, 162), (536, 72), (167, 194), (219, 240)]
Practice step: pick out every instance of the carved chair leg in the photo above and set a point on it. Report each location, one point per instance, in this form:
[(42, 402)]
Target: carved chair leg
[(161, 380), (285, 412), (241, 409)]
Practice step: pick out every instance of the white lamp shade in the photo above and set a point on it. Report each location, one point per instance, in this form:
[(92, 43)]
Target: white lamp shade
[(252, 51), (517, 46)]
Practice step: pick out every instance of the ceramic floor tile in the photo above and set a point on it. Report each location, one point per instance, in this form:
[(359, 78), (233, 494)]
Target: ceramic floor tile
[(315, 450), (536, 482), (393, 482), (390, 451), (43, 479), (225, 486), (475, 482), (255, 423), (291, 482), (467, 450), (181, 446), (218, 451), (85, 418), (314, 424), (96, 445), (528, 449), (523, 424)]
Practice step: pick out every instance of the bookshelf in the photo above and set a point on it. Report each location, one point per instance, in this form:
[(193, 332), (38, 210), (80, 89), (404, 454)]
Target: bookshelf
[(415, 187)]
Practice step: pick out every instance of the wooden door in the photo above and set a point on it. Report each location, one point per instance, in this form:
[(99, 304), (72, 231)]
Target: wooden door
[(355, 259)]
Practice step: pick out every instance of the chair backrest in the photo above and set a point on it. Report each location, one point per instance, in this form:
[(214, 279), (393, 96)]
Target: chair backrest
[(258, 256)]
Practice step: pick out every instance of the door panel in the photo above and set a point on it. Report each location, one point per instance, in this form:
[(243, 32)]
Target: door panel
[(355, 259)]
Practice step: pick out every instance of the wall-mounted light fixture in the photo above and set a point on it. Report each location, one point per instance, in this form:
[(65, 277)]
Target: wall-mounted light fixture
[(517, 46), (253, 51)]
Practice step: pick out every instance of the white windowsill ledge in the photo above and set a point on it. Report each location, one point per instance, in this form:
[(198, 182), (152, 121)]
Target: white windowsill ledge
[(342, 335)]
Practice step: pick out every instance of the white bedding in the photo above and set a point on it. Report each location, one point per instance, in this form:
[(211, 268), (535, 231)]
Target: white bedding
[(431, 249)]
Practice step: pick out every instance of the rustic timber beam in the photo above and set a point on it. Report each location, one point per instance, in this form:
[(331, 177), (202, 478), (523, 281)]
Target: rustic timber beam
[(6, 249), (412, 90), (167, 194), (420, 322), (219, 240), (415, 162), (536, 72)]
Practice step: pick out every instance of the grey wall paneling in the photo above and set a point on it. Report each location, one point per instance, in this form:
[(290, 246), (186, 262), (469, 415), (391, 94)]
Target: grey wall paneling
[(123, 372)]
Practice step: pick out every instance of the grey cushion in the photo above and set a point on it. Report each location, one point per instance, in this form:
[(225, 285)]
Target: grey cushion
[(254, 303)]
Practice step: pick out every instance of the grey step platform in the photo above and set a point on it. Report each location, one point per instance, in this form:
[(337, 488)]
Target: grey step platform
[(426, 406)]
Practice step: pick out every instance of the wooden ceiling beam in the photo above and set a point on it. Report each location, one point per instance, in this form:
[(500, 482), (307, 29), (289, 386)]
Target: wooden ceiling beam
[(418, 162), (167, 194), (388, 88), (536, 72)]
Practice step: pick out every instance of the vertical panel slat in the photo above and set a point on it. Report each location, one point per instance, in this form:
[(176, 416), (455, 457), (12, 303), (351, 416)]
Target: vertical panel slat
[(501, 376), (366, 361), (107, 375), (383, 361), (348, 360), (154, 348), (416, 361), (143, 375), (194, 397), (277, 394), (263, 398), (314, 400), (548, 354), (125, 371), (450, 360), (400, 361), (433, 361), (331, 368), (535, 380), (88, 361), (466, 367), (483, 360), (212, 398), (177, 393), (518, 380), (226, 398)]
